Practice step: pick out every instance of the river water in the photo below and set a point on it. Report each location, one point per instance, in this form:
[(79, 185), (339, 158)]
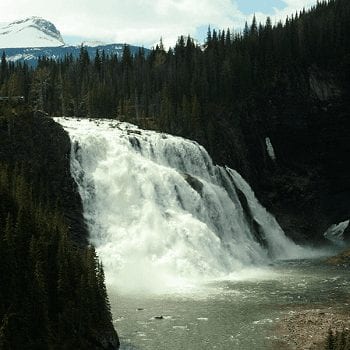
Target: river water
[(240, 313)]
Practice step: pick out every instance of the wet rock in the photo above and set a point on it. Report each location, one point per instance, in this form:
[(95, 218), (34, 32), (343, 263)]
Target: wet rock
[(323, 85), (159, 317), (137, 132), (135, 143), (194, 183)]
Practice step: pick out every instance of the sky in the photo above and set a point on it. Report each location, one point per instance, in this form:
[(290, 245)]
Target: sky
[(144, 22)]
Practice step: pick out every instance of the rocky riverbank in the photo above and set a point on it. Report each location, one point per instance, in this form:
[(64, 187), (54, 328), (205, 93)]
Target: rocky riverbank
[(342, 259), (307, 329)]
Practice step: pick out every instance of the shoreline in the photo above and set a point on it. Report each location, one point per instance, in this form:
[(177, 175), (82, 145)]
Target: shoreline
[(307, 328)]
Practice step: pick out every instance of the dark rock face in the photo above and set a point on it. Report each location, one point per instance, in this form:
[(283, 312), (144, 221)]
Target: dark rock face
[(307, 187), (194, 183), (254, 225), (43, 148), (319, 185), (323, 85)]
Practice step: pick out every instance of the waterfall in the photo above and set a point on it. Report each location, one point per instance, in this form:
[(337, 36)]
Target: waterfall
[(159, 211)]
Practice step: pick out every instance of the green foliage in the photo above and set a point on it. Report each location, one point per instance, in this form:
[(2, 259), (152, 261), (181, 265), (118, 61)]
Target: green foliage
[(52, 293), (167, 90), (187, 89)]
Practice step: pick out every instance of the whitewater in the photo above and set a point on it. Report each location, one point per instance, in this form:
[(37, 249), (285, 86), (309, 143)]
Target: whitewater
[(160, 212)]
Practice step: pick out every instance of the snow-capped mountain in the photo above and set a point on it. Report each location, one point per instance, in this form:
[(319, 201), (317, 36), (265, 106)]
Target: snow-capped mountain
[(31, 32), (34, 37)]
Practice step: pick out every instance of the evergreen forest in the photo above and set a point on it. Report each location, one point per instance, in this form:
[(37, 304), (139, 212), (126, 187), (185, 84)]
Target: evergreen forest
[(52, 289), (236, 78), (191, 88)]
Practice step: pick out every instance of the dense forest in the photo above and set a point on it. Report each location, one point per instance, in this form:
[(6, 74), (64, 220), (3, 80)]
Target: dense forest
[(52, 287), (228, 94), (42, 274), (186, 89)]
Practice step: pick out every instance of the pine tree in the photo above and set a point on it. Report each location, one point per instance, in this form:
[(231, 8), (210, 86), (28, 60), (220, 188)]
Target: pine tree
[(330, 341)]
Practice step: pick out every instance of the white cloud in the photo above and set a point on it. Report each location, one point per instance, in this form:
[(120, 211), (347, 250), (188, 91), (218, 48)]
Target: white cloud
[(137, 21), (292, 6)]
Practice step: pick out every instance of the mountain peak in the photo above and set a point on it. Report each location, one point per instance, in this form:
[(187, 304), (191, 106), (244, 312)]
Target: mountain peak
[(30, 32)]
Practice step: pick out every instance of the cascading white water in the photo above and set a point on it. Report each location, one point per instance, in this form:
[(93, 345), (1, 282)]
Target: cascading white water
[(160, 212)]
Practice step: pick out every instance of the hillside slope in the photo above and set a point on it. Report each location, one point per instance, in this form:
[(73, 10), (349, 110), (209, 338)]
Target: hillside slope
[(44, 252)]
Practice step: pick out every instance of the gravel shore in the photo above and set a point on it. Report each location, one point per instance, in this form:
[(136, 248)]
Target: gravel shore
[(307, 329)]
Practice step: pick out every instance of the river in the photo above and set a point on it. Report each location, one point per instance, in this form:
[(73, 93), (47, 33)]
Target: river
[(234, 314)]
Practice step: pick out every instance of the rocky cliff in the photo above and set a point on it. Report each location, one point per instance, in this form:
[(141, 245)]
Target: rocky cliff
[(305, 183)]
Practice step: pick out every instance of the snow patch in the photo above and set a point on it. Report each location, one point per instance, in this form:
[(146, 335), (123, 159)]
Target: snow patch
[(93, 43), (270, 149)]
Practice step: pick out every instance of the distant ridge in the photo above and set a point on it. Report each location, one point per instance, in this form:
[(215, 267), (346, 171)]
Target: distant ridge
[(34, 37), (32, 55)]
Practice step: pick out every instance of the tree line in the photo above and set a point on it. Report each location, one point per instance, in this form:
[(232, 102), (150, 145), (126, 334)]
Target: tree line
[(185, 89)]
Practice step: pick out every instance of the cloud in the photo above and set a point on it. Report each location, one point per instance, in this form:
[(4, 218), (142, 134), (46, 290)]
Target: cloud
[(137, 21), (292, 6)]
